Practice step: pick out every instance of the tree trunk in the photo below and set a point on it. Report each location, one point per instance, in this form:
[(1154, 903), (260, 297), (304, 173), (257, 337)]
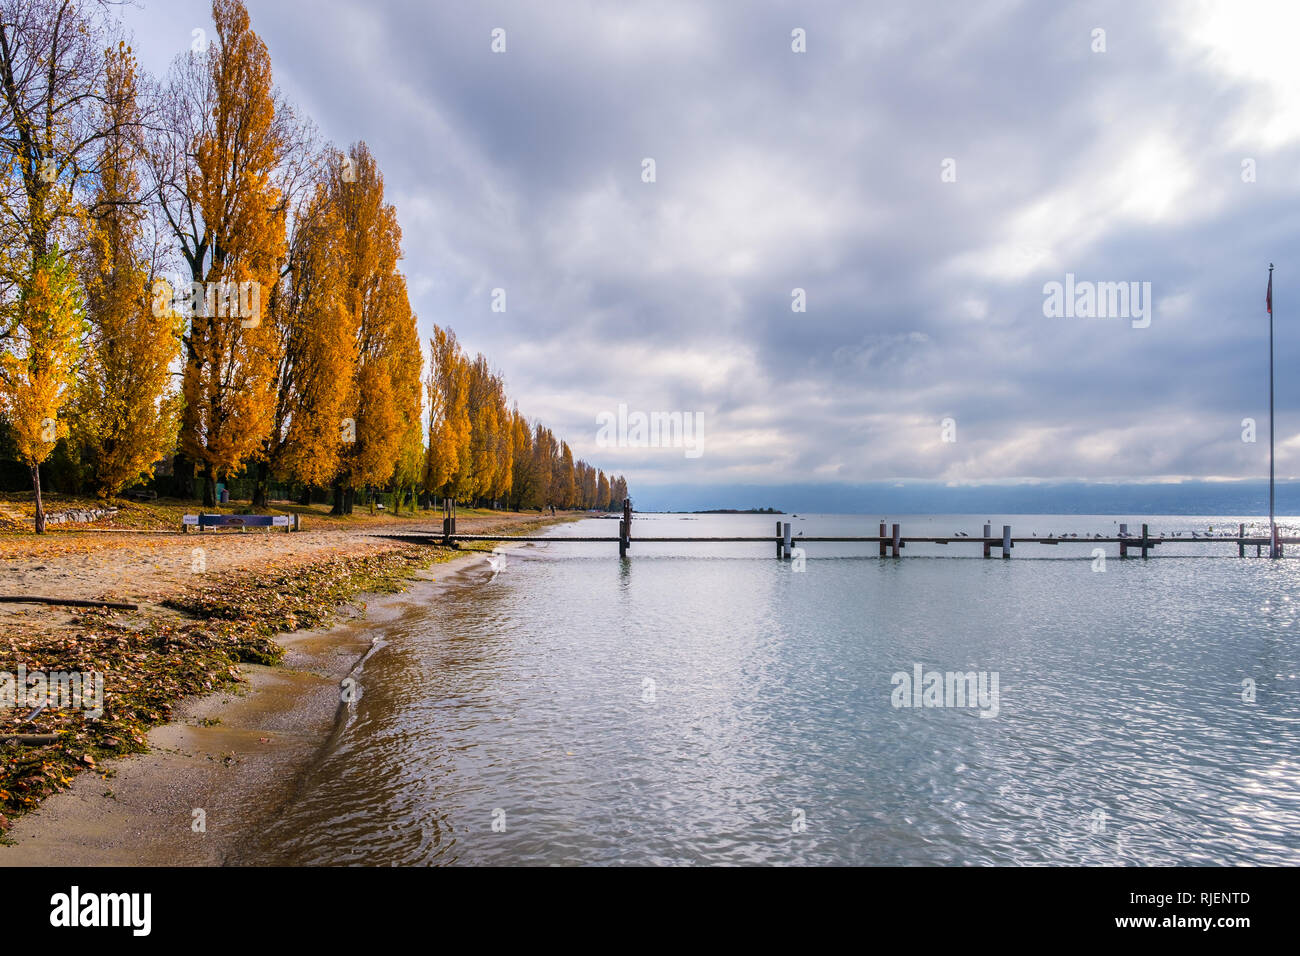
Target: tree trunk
[(209, 488), (183, 472), (261, 484), (349, 498), (40, 507), (338, 508), (305, 498)]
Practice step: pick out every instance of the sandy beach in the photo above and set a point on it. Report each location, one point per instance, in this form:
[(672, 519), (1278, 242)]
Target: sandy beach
[(146, 567), (223, 761), (236, 771)]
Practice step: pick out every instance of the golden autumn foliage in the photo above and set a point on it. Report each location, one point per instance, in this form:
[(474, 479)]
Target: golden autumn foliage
[(386, 380), (319, 351), (231, 359), (51, 58), (447, 397), (126, 413), (289, 324), (38, 366)]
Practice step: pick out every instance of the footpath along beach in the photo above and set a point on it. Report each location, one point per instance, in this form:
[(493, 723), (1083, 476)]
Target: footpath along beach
[(219, 689)]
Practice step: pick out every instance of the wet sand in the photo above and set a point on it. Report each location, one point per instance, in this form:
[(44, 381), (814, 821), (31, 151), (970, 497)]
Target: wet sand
[(238, 771)]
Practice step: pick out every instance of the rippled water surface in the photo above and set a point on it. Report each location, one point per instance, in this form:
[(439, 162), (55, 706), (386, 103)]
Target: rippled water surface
[(706, 704)]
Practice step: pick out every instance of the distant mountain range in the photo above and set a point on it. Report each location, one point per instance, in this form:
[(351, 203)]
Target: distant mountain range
[(920, 497)]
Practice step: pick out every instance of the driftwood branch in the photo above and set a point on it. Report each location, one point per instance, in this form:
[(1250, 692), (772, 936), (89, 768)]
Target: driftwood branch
[(34, 740), (72, 602)]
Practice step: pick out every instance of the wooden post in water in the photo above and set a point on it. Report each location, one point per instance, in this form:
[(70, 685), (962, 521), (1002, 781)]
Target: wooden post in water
[(882, 539), (1241, 545), (1006, 541), (1146, 541), (896, 537), (778, 541), (785, 540), (625, 529), (988, 532)]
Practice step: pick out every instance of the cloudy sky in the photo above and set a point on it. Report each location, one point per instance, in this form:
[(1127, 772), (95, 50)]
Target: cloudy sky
[(921, 172)]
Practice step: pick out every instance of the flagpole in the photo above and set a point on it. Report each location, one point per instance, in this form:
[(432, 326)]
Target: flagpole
[(1272, 525)]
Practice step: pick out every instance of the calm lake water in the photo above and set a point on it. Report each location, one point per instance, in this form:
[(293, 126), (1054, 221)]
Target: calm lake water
[(707, 704)]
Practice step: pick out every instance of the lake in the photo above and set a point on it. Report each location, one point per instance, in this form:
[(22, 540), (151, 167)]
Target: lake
[(707, 704)]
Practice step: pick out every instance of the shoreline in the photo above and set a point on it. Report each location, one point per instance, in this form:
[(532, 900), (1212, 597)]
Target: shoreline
[(237, 669), (237, 754)]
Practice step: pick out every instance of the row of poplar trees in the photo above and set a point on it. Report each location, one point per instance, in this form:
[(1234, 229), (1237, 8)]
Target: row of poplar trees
[(120, 194)]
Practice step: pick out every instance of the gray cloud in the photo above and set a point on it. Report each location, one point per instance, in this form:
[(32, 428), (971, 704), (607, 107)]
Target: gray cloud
[(822, 171)]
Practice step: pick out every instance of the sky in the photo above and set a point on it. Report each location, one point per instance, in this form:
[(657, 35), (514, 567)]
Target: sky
[(922, 172)]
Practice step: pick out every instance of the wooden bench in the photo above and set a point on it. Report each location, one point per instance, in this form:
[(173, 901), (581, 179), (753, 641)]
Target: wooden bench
[(288, 522)]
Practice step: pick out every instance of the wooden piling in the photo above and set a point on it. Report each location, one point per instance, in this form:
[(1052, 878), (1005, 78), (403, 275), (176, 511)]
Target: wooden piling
[(1146, 541), (895, 542), (1006, 541), (785, 539), (778, 541), (988, 533), (882, 539), (625, 529), (1241, 544)]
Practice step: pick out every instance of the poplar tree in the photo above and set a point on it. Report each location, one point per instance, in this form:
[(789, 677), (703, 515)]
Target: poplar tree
[(126, 412), (218, 169)]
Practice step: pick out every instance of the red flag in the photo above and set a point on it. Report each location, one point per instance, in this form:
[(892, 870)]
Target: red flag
[(1268, 299)]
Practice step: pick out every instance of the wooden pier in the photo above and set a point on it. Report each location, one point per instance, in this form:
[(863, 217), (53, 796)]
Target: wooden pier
[(890, 541)]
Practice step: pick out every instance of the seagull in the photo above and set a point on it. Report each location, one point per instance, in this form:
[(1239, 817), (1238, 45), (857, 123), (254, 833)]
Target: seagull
[(497, 562)]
